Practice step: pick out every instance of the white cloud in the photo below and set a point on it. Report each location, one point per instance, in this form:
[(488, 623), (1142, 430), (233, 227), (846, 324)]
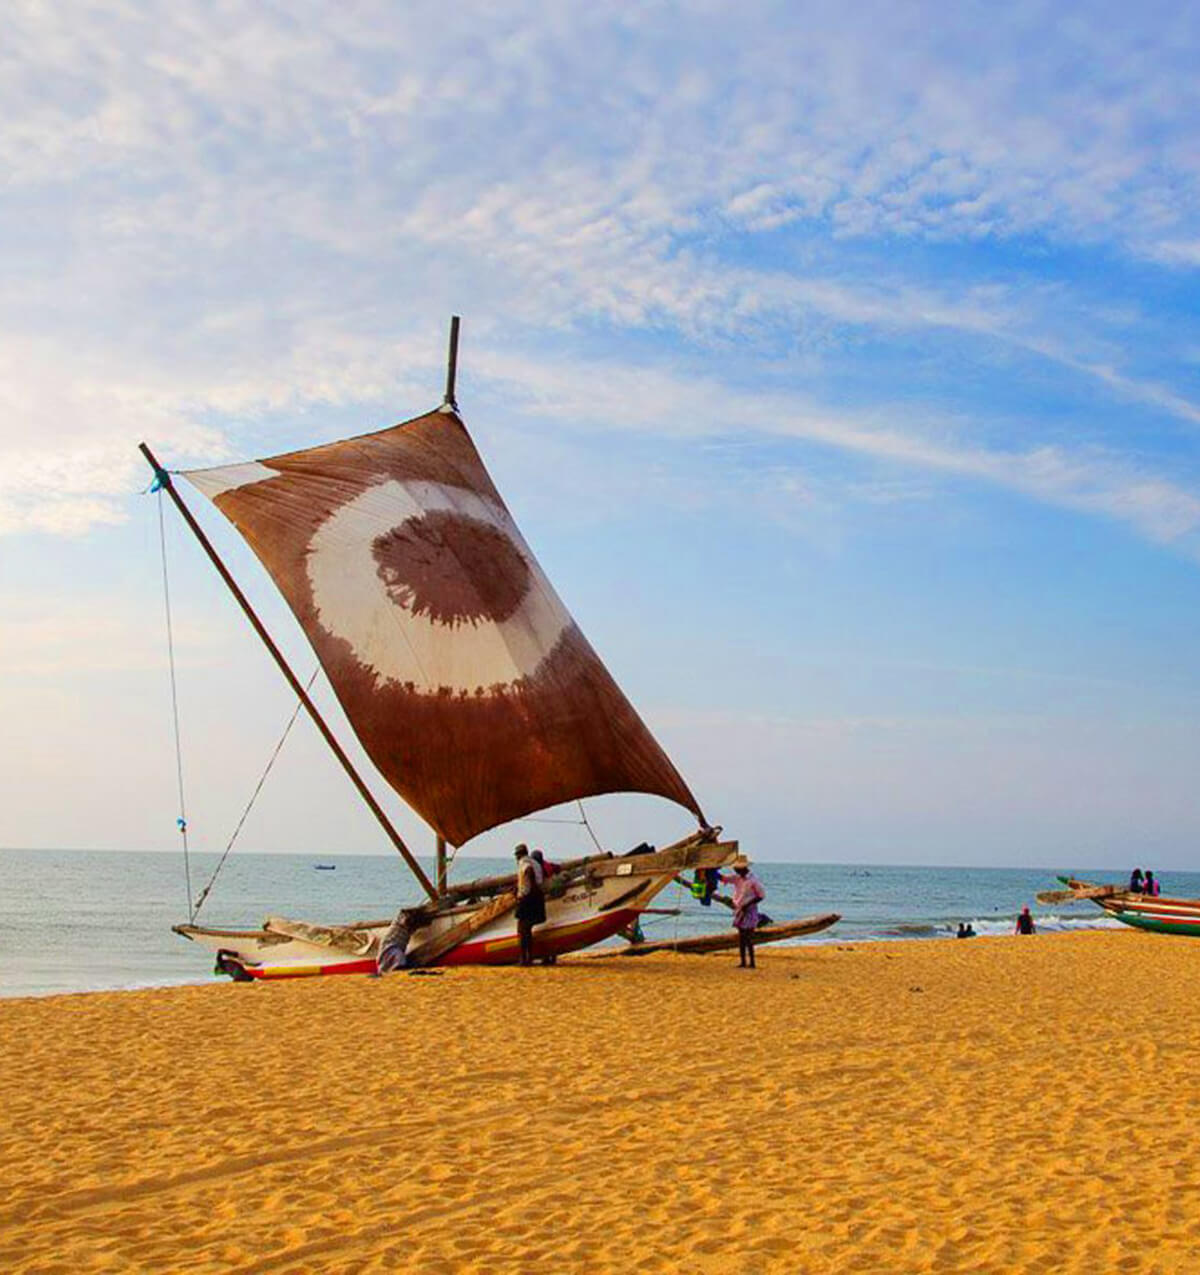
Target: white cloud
[(218, 217)]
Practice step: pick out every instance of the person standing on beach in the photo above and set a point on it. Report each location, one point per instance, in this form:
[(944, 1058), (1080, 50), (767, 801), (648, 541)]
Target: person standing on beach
[(1135, 881), (531, 903), (1150, 885), (1025, 922), (747, 893)]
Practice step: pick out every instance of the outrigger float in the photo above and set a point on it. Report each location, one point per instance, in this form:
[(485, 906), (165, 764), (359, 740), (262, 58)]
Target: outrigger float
[(1160, 914), (464, 677)]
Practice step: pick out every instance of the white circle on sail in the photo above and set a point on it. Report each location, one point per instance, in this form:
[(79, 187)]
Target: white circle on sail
[(353, 601)]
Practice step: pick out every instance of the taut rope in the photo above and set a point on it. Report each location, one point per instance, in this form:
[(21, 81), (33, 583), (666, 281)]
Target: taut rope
[(181, 821), (258, 787)]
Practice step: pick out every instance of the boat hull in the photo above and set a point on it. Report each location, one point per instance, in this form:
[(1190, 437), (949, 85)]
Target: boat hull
[(1158, 914), (585, 914)]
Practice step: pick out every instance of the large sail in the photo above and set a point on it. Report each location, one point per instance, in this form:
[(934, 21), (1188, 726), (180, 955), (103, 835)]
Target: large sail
[(466, 679)]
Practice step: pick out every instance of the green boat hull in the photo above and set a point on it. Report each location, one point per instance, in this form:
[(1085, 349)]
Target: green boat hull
[(1158, 914), (1191, 928)]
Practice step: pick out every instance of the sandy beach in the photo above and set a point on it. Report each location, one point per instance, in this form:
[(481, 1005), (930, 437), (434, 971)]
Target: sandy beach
[(997, 1104)]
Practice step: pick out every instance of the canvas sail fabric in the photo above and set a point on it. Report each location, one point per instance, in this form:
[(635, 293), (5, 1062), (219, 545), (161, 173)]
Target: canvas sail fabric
[(466, 679)]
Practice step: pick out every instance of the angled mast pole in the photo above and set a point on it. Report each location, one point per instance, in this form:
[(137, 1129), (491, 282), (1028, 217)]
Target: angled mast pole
[(164, 480)]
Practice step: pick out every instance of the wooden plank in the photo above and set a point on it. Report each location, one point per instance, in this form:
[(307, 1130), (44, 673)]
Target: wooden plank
[(674, 859), (437, 947), (1079, 892), (725, 939)]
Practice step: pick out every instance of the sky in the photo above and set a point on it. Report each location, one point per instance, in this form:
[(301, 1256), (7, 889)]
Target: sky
[(840, 363)]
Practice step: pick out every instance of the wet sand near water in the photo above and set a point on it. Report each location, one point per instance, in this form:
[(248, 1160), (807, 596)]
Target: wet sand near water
[(923, 1106)]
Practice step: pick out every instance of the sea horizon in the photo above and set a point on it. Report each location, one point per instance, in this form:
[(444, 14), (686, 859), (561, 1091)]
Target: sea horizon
[(74, 921)]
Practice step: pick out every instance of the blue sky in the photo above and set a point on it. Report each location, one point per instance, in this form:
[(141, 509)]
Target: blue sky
[(841, 364)]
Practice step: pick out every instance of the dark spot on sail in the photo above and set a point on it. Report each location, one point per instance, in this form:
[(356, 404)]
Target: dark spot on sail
[(452, 568)]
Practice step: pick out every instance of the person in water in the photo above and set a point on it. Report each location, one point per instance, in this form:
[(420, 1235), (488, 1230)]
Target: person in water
[(1135, 881), (1150, 885), (748, 892), (1025, 922), (531, 902), (965, 930)]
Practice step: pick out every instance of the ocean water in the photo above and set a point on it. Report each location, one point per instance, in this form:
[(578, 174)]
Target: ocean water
[(75, 921)]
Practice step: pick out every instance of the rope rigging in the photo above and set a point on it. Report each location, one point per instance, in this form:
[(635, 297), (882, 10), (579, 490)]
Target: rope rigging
[(258, 787), (581, 822), (181, 820)]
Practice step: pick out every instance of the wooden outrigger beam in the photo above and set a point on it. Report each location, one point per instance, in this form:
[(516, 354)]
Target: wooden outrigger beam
[(671, 858), (164, 481), (1079, 890), (722, 940)]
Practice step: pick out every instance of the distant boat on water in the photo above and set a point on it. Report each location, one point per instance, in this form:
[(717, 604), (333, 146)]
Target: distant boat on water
[(325, 867)]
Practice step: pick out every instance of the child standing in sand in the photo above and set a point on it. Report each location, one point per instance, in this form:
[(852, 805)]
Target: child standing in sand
[(747, 894)]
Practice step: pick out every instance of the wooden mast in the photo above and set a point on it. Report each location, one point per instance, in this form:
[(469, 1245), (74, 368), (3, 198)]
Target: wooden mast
[(452, 365), (164, 481), (440, 875)]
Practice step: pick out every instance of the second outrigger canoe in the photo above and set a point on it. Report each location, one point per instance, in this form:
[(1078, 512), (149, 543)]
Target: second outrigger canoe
[(1161, 914)]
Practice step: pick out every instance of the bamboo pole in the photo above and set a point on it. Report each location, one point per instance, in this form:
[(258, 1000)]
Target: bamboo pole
[(440, 875), (164, 480)]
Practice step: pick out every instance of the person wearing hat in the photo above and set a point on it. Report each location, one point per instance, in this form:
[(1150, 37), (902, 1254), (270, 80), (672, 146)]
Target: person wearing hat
[(748, 892), (531, 902)]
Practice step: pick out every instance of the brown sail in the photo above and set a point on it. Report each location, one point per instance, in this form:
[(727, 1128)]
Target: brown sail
[(464, 676)]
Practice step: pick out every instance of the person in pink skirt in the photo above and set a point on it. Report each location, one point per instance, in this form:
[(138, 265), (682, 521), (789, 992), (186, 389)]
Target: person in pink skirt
[(748, 892)]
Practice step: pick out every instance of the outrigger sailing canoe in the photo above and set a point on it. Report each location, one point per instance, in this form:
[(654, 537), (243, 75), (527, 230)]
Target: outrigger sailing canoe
[(464, 677), (1158, 913)]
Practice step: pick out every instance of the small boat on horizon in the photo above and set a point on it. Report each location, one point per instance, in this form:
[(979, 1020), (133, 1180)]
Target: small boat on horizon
[(325, 867)]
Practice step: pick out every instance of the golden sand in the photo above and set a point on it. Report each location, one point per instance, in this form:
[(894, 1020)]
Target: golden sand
[(993, 1105)]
